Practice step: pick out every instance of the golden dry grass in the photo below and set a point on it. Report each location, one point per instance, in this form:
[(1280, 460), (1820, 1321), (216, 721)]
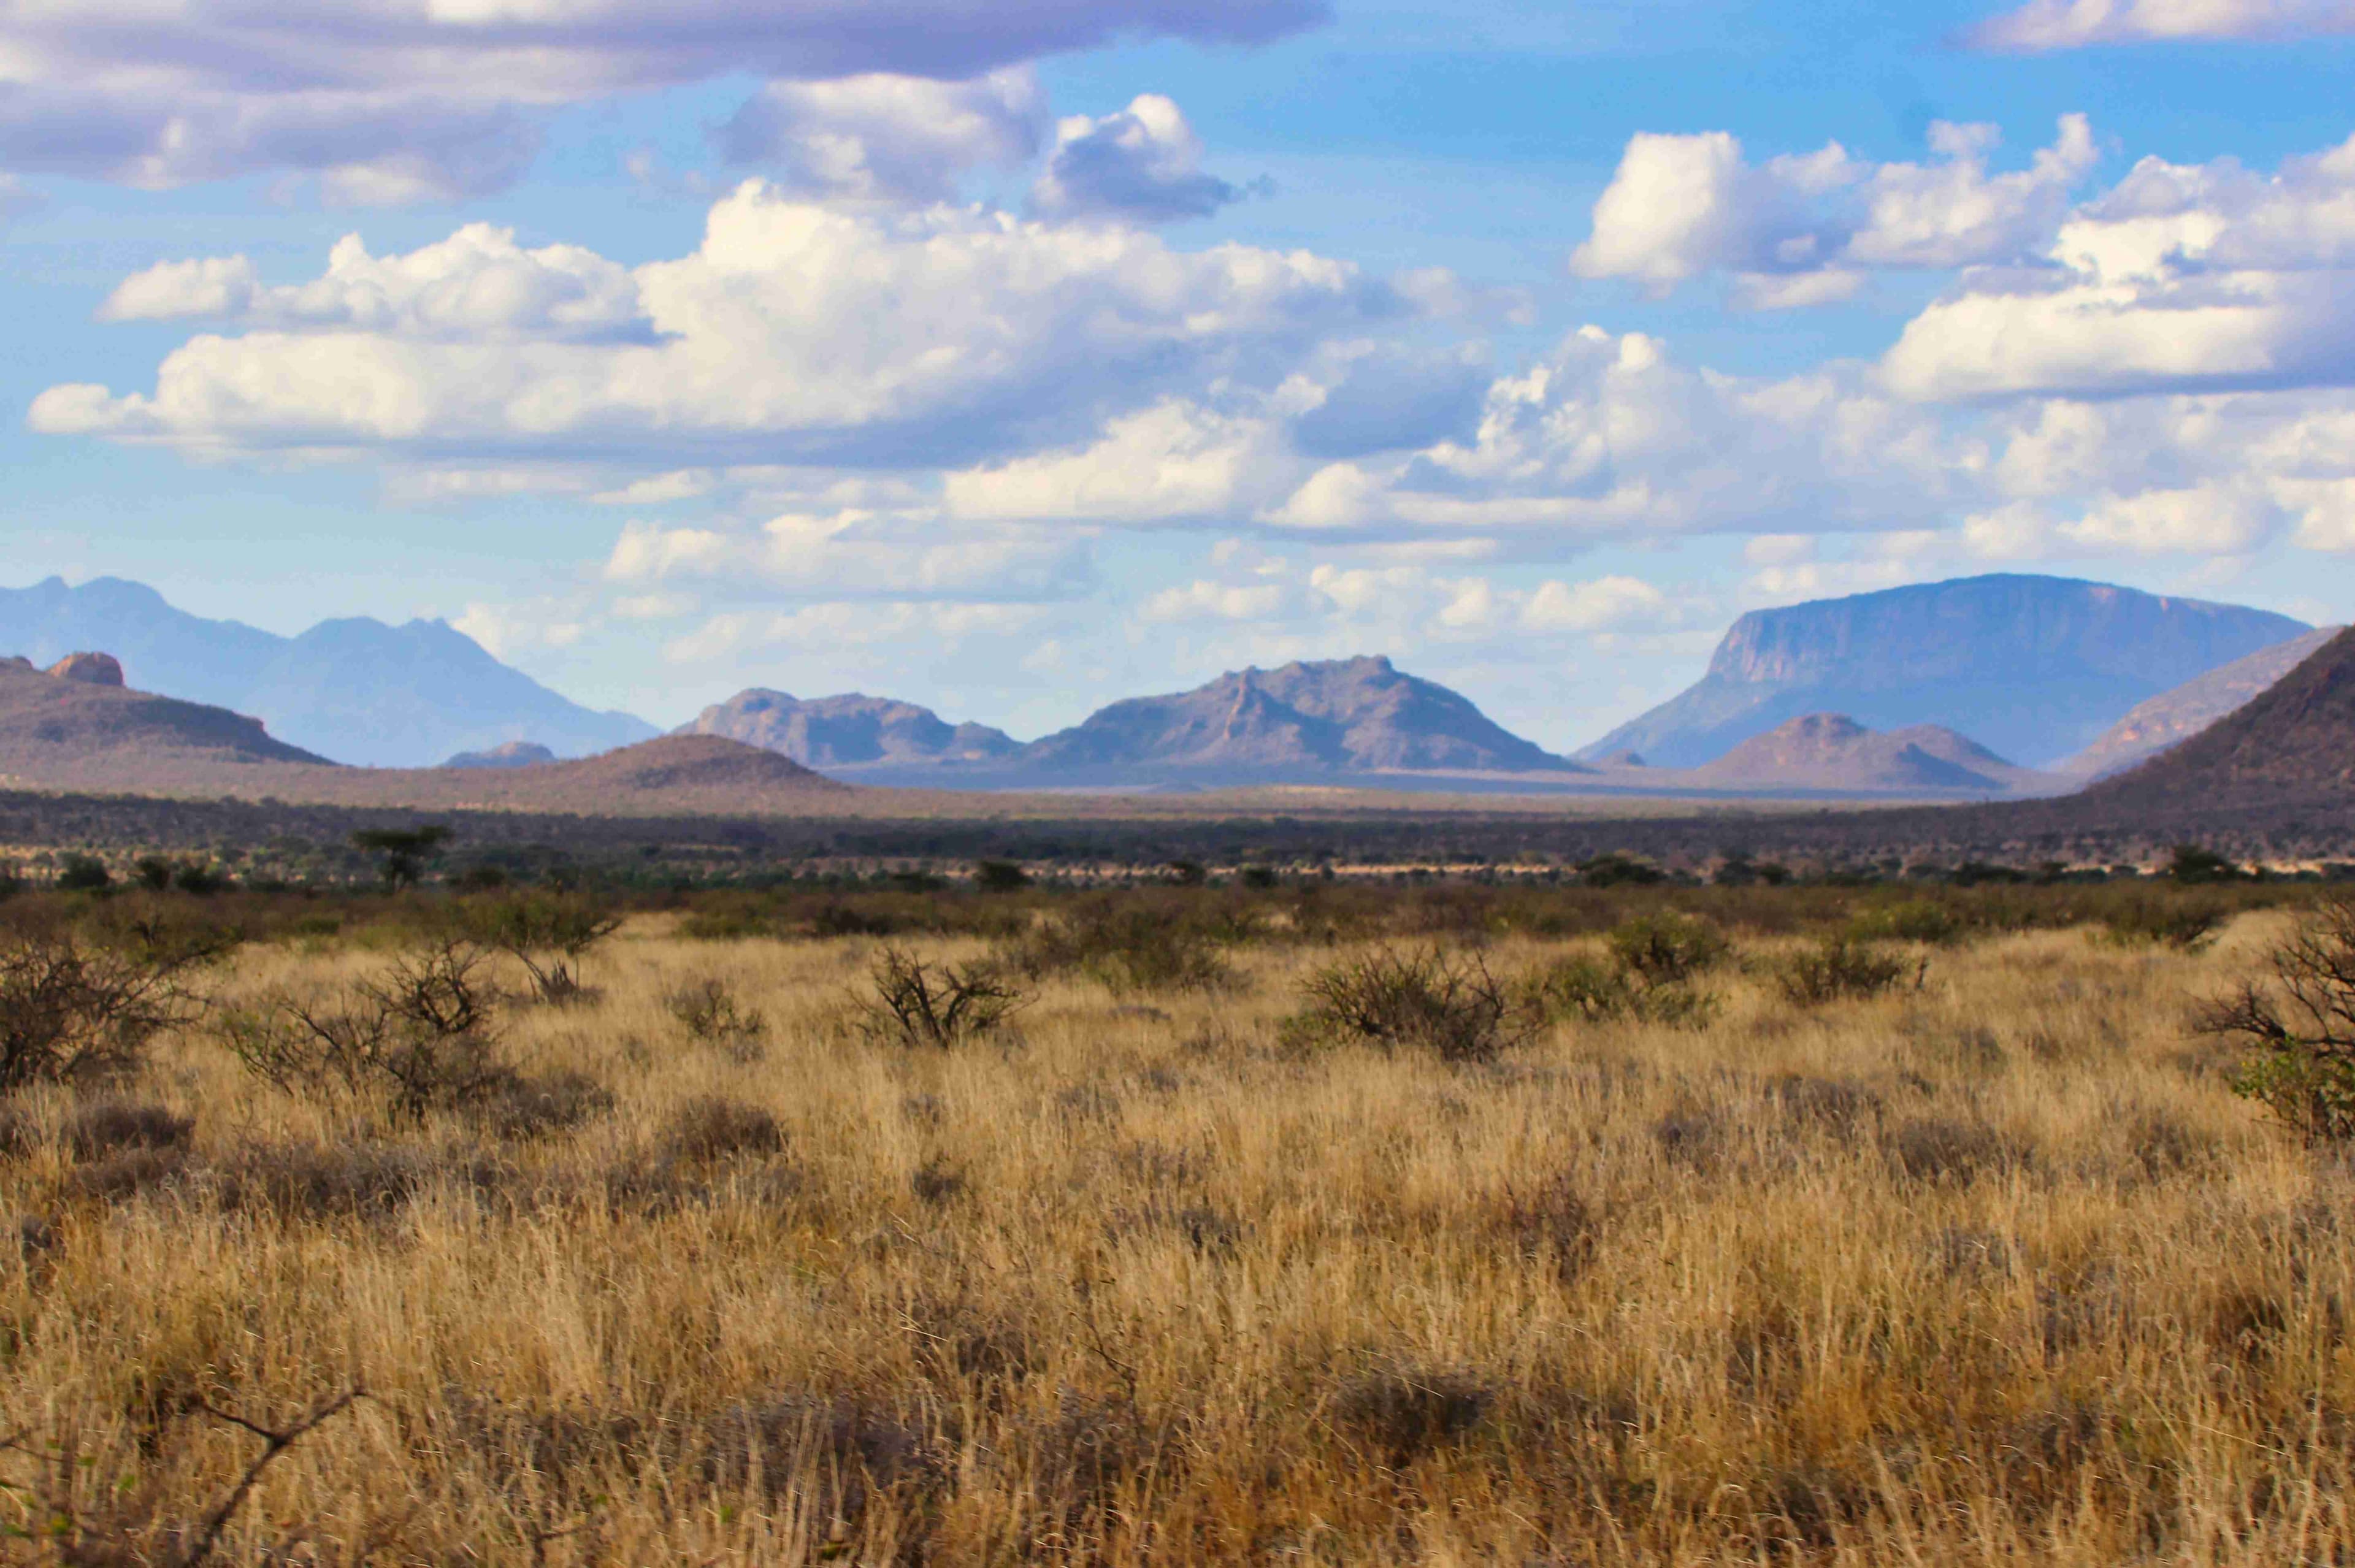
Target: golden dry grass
[(1995, 1272)]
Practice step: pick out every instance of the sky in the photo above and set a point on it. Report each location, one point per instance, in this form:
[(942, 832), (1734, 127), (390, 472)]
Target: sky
[(1012, 357)]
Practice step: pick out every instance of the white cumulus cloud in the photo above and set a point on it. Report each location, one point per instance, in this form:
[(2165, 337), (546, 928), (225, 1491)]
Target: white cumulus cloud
[(1144, 164), (879, 137), (1805, 228), (797, 332), (2182, 277)]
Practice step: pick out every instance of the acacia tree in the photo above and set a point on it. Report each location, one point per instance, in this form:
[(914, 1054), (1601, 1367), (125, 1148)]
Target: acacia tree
[(406, 851)]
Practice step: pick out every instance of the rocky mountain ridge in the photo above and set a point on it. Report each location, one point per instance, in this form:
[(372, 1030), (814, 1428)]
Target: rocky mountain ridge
[(2033, 668), (78, 722), (1331, 717), (355, 689), (849, 729), (2175, 716), (2293, 745)]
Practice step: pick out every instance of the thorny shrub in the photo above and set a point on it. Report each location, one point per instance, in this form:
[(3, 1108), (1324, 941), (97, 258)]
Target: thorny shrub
[(2299, 1029), (1428, 1000), (418, 1035), (79, 1004), (913, 1003)]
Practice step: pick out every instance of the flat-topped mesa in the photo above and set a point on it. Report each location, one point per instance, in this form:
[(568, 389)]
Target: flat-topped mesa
[(91, 669)]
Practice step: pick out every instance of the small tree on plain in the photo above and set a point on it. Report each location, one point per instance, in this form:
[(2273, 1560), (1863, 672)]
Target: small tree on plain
[(405, 850)]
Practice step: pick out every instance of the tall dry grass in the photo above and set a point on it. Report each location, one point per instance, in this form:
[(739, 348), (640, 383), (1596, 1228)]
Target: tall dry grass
[(1995, 1269)]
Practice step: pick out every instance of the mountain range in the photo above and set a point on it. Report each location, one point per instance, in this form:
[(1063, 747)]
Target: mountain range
[(356, 691), (1932, 690), (78, 727), (1304, 722), (2034, 668)]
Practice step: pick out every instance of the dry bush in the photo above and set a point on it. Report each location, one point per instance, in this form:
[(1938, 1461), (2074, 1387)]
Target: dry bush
[(74, 1008), (708, 1009), (1421, 1000), (1405, 1413), (540, 1106), (913, 1003), (93, 1132), (715, 1128), (417, 1036), (1840, 968)]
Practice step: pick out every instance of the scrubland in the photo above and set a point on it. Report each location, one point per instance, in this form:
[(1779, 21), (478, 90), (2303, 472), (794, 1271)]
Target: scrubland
[(1157, 1259)]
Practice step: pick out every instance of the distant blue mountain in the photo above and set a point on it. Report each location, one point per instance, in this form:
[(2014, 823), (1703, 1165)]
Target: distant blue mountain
[(2031, 667), (356, 691)]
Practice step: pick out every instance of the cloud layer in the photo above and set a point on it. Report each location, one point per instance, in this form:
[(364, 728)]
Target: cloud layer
[(2046, 25), (399, 99), (797, 332)]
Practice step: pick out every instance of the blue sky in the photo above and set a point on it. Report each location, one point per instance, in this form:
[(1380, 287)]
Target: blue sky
[(1012, 358)]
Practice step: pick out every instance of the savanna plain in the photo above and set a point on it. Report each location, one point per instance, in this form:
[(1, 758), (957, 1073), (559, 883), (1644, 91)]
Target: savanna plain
[(1292, 1222)]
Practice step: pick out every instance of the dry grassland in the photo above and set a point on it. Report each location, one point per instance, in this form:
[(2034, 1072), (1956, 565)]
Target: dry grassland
[(1994, 1270)]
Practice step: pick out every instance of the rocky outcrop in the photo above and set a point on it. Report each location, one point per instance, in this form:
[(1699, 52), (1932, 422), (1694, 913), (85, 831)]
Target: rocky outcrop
[(79, 716), (91, 669), (2035, 667), (850, 730), (514, 754)]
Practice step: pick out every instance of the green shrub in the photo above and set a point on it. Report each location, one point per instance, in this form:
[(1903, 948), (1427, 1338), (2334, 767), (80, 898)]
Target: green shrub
[(2192, 865), (1666, 949), (1124, 948), (1000, 876), (84, 874), (1423, 1000), (2185, 923), (1648, 978), (1841, 967), (2298, 1027), (547, 932), (1912, 920), (1586, 990)]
